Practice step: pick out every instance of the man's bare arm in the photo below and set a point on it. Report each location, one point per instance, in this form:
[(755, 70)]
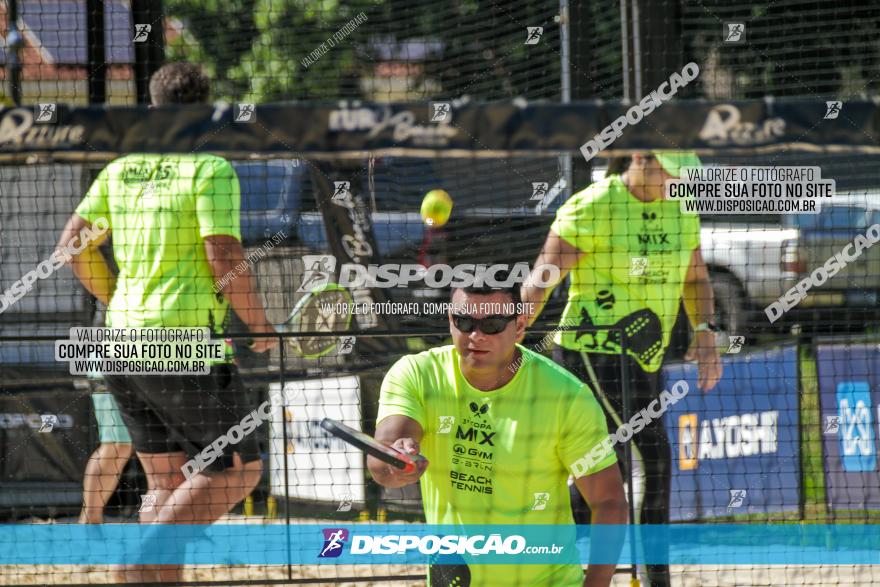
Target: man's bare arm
[(603, 492), (404, 434), (89, 264), (699, 304), (558, 252), (233, 274), (698, 297)]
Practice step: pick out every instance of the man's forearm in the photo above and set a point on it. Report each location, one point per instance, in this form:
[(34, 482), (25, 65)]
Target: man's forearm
[(91, 268), (241, 292), (534, 298), (699, 303), (613, 515)]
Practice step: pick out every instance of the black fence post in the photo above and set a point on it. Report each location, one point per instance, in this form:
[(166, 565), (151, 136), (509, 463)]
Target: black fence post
[(149, 54), (96, 52)]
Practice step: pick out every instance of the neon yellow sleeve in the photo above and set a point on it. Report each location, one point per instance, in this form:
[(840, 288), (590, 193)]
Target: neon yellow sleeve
[(581, 221), (401, 393), (218, 198), (96, 202), (584, 428), (692, 240)]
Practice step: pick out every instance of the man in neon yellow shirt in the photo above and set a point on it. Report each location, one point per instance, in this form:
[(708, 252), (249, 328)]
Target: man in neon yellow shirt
[(633, 256), (174, 219), (501, 428)]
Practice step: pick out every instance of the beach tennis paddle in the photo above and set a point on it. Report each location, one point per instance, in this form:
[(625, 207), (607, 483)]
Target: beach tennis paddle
[(326, 308), (371, 446)]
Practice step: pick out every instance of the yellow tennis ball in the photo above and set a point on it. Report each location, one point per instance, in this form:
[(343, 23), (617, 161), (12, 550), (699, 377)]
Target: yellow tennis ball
[(436, 208)]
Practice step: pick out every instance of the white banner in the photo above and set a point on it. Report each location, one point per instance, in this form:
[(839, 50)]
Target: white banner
[(320, 467)]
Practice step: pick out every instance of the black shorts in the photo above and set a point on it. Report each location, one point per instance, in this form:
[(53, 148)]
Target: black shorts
[(186, 413)]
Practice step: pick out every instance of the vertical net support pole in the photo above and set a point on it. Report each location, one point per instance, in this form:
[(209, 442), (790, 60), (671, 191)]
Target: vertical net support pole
[(627, 451), (96, 47), (282, 379), (565, 78), (14, 42), (150, 54)]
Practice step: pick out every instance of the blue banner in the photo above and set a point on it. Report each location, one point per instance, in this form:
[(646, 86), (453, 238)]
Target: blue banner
[(275, 544), (849, 391), (736, 448)]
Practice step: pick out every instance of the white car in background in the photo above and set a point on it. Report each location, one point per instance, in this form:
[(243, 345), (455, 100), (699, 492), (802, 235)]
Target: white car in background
[(753, 265)]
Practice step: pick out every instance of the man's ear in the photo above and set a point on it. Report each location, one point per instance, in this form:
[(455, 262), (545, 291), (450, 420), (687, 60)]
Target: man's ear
[(521, 322)]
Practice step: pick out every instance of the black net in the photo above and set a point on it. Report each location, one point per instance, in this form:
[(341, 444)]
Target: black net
[(342, 135)]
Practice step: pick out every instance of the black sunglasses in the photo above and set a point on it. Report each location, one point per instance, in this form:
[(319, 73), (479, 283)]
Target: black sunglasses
[(487, 325)]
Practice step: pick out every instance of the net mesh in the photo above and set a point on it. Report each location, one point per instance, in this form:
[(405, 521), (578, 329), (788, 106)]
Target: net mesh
[(788, 436)]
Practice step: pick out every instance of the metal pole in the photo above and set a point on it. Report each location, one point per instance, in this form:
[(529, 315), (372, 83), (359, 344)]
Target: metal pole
[(149, 54), (624, 47), (637, 52), (630, 88), (96, 51), (14, 42), (565, 74), (627, 451), (282, 379)]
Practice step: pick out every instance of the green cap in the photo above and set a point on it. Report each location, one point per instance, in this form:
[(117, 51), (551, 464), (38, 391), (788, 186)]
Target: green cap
[(673, 161)]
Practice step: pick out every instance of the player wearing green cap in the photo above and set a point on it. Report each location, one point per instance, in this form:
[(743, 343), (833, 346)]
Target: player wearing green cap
[(633, 256)]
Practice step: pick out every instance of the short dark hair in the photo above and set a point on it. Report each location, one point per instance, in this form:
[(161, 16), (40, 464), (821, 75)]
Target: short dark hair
[(486, 290), (617, 165), (180, 82)]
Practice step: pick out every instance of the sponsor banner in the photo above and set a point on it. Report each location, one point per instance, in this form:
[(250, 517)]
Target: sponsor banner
[(849, 391), (320, 466), (309, 544), (352, 241), (355, 129), (735, 449), (351, 237)]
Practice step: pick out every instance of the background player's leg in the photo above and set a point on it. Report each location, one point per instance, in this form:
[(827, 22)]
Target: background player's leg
[(108, 461), (164, 475), (207, 496), (163, 472), (653, 444), (657, 462), (650, 447), (101, 478)]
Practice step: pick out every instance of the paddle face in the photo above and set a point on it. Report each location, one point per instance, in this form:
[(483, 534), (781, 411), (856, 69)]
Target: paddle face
[(324, 309), (370, 445), (450, 575), (642, 332)]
